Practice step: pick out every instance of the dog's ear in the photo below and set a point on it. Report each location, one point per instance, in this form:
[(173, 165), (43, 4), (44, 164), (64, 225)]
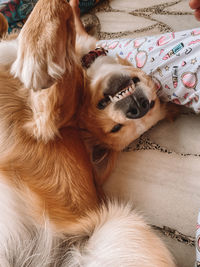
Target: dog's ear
[(46, 45), (3, 25), (103, 160), (173, 110), (124, 61), (99, 153)]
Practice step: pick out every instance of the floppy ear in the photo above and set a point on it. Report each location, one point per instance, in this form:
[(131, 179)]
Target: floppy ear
[(99, 154), (124, 61), (172, 110), (46, 48), (103, 160)]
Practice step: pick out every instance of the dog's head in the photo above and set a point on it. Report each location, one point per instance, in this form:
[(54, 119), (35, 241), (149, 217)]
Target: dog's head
[(122, 102)]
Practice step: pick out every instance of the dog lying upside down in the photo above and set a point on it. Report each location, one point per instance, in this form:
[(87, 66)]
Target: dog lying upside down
[(171, 60), (60, 133)]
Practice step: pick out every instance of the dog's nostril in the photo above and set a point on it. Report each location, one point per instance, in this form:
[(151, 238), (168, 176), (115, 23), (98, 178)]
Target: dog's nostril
[(132, 113), (135, 80), (138, 107), (144, 103)]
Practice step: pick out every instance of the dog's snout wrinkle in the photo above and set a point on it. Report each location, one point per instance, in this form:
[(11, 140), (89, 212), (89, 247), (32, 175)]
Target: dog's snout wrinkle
[(135, 100)]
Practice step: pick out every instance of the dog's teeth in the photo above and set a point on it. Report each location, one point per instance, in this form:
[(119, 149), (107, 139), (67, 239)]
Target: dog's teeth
[(132, 89), (115, 98), (111, 98), (122, 94), (128, 91)]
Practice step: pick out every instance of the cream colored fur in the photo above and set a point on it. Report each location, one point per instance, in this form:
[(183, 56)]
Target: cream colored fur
[(53, 212)]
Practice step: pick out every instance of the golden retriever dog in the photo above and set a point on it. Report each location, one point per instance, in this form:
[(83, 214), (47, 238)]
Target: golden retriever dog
[(61, 127)]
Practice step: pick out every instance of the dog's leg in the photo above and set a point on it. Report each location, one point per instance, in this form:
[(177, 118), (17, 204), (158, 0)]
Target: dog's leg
[(46, 58), (84, 42), (46, 45), (80, 30)]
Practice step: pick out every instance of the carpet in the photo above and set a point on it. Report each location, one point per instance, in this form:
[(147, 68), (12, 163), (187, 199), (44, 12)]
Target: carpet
[(159, 172)]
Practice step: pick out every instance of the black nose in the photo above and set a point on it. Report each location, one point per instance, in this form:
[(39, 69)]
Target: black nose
[(138, 108)]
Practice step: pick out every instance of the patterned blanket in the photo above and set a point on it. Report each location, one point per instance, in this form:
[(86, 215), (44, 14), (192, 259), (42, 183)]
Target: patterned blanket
[(16, 11)]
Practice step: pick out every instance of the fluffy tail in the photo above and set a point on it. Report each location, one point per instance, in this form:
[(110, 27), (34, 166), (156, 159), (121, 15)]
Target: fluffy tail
[(118, 236), (112, 236)]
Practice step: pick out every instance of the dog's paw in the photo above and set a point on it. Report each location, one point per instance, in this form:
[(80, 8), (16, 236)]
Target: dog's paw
[(36, 69), (46, 45)]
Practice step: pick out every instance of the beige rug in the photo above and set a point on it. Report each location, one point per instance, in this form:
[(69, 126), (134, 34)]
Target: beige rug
[(160, 172)]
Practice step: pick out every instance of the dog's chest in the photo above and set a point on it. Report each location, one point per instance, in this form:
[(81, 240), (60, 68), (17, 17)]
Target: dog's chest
[(172, 59)]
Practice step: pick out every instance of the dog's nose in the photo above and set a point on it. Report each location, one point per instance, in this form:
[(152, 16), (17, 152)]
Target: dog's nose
[(138, 108)]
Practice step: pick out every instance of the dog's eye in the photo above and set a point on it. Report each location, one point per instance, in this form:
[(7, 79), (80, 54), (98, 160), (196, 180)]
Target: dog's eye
[(152, 104), (116, 128), (135, 80)]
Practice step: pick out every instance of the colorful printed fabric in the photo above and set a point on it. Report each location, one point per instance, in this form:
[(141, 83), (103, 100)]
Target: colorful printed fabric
[(198, 243), (172, 59), (16, 11)]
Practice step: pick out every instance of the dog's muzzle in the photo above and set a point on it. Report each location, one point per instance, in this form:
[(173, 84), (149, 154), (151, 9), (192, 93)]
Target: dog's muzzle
[(134, 106)]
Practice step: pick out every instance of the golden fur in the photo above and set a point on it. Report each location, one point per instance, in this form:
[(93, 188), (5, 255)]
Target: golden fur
[(56, 147), (40, 140)]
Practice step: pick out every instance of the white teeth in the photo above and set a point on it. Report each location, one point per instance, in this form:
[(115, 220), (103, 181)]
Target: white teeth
[(111, 99), (122, 94)]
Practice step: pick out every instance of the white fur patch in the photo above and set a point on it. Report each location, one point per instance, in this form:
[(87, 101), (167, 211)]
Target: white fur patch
[(105, 66), (34, 70), (8, 51), (120, 238), (34, 73), (22, 241), (117, 237)]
